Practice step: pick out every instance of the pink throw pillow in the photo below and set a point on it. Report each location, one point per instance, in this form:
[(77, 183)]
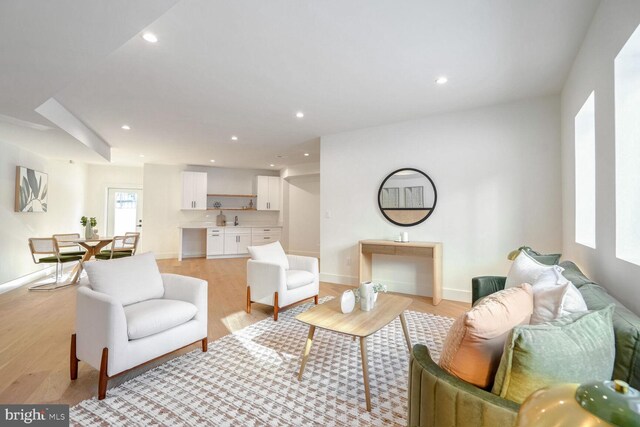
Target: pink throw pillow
[(474, 345)]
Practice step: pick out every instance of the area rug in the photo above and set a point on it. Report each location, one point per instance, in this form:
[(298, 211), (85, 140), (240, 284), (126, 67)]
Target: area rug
[(249, 378)]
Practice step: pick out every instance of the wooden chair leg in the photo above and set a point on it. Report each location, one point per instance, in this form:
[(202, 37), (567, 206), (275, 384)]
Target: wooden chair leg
[(205, 345), (248, 299), (104, 378), (73, 359), (275, 307), (315, 300)]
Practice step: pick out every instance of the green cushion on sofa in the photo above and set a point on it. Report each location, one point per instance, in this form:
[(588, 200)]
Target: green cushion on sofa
[(547, 259), (578, 348), (574, 274), (627, 330)]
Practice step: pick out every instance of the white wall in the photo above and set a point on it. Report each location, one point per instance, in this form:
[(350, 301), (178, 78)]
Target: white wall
[(100, 179), (162, 197), (65, 207), (301, 207), (497, 173), (613, 24)]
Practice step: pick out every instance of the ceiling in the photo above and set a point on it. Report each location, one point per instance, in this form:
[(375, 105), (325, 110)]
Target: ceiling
[(245, 67)]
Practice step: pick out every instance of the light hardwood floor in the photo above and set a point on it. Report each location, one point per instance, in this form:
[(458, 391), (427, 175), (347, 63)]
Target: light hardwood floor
[(36, 327)]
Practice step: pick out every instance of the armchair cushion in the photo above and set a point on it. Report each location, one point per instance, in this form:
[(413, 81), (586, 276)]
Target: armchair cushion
[(129, 280), (156, 315), (271, 253), (298, 278)]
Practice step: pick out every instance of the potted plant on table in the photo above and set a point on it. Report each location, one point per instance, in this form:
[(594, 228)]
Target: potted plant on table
[(88, 224), (367, 294)]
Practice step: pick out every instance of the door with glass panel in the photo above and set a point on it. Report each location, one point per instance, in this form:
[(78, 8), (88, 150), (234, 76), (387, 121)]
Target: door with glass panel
[(124, 211)]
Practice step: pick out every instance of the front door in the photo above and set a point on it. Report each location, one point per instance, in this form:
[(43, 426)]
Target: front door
[(124, 211)]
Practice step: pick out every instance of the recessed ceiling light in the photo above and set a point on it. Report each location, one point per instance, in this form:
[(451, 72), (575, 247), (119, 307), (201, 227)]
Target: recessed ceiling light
[(150, 37), (234, 138), (272, 165), (141, 155), (126, 127), (306, 154), (442, 80), (299, 114), (212, 161)]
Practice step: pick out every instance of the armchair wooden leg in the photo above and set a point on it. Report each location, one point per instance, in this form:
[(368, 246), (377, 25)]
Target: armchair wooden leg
[(205, 345), (275, 307), (73, 359), (104, 378), (315, 300), (248, 299)]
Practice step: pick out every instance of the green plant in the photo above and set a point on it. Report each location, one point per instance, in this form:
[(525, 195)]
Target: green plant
[(377, 287), (92, 221)]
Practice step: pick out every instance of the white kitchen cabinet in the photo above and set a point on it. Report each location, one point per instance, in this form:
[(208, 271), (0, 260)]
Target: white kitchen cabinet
[(236, 240), (215, 241), (268, 191), (194, 190), (264, 235)]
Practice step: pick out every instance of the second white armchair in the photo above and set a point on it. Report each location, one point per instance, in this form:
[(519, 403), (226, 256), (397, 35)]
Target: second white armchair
[(277, 279)]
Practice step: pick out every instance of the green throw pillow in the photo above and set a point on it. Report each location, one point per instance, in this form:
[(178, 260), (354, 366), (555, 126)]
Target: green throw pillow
[(547, 259), (577, 348)]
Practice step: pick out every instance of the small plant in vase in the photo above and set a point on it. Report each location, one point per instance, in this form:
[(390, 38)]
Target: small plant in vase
[(88, 224)]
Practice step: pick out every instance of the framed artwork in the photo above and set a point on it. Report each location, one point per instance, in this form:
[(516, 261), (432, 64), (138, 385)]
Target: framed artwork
[(390, 197), (413, 197), (31, 190)]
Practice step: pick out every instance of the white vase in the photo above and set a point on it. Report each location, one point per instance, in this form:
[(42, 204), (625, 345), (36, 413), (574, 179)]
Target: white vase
[(347, 302), (88, 231), (367, 296)]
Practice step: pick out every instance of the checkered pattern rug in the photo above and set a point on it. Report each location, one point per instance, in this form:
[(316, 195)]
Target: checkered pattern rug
[(249, 378)]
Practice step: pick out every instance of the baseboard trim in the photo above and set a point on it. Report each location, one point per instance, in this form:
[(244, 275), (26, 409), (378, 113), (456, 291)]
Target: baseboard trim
[(29, 278), (447, 293)]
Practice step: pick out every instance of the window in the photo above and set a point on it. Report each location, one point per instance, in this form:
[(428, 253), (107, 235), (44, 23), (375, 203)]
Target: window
[(627, 102), (585, 147)]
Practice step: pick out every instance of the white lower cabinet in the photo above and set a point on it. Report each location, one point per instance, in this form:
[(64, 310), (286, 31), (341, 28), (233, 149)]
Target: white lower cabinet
[(236, 241), (215, 241), (264, 235)]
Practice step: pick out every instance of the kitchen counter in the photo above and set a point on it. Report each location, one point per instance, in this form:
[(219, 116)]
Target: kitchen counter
[(228, 241)]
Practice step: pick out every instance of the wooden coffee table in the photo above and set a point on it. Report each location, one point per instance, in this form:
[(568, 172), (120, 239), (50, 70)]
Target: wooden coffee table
[(358, 323)]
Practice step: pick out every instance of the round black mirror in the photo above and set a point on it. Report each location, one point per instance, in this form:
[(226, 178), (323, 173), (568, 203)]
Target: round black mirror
[(407, 197)]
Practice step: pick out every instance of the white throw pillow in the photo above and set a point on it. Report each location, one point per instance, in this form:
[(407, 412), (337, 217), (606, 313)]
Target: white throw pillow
[(129, 280), (271, 253), (555, 296), (525, 270)]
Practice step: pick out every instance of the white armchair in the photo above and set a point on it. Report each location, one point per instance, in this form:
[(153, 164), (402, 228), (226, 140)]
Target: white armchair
[(130, 314), (279, 280)]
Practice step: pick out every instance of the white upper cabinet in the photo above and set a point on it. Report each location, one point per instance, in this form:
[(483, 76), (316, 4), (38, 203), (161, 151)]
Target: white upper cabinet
[(194, 190), (268, 191)]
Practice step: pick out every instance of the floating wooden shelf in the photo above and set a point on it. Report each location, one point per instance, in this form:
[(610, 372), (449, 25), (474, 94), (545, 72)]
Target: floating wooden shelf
[(248, 196), (222, 208)]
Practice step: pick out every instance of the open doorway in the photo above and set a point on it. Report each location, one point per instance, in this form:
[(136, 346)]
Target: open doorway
[(124, 210)]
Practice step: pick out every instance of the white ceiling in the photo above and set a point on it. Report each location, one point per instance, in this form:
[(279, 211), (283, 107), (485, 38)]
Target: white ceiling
[(244, 67)]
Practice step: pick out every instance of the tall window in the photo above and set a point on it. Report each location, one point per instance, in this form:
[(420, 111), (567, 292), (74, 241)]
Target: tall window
[(585, 148), (627, 95)]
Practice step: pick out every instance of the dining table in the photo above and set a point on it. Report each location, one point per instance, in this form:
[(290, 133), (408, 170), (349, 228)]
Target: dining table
[(92, 247)]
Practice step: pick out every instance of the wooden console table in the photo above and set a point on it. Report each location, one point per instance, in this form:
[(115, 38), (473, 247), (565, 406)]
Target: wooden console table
[(432, 250)]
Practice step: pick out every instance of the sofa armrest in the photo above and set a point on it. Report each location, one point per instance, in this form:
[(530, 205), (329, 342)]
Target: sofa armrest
[(265, 279), (486, 285), (306, 263), (188, 289), (100, 323), (437, 398)]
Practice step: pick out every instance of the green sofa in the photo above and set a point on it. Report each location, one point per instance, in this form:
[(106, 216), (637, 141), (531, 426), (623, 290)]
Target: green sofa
[(438, 399)]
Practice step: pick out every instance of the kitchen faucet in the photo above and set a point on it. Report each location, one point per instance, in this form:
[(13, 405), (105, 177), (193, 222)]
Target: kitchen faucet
[(235, 221)]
